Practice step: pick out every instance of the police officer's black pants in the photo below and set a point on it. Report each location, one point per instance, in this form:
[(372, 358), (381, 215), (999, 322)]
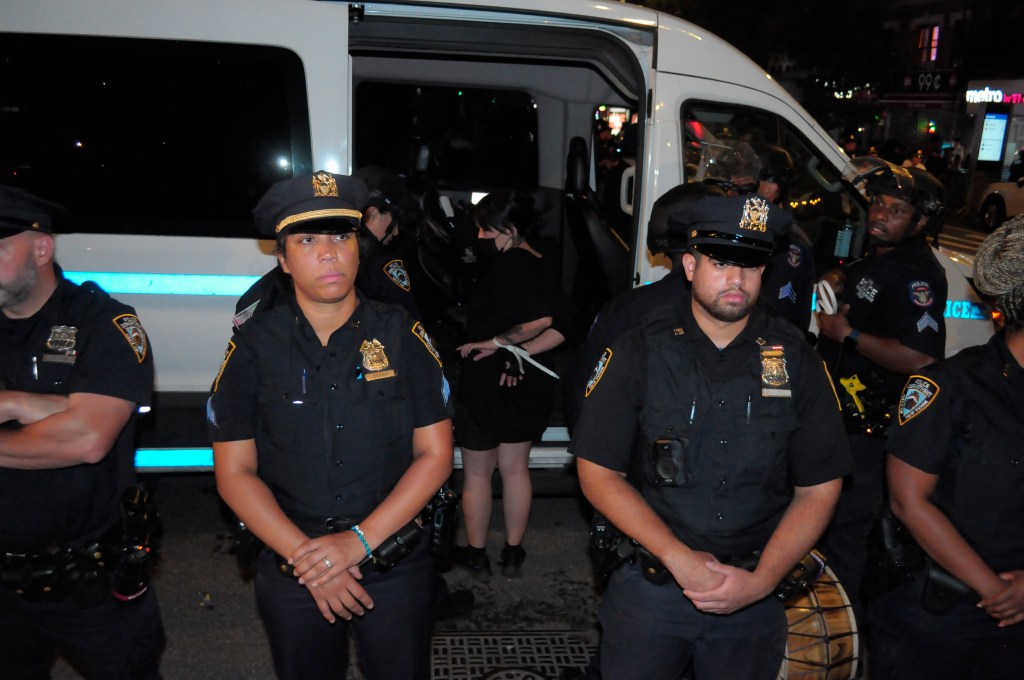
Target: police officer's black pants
[(845, 541), (392, 639), (909, 643), (111, 640), (652, 632)]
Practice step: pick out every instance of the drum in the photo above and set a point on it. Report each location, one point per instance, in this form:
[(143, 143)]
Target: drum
[(822, 642)]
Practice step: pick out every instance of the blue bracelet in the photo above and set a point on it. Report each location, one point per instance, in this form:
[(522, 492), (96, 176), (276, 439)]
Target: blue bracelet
[(362, 539)]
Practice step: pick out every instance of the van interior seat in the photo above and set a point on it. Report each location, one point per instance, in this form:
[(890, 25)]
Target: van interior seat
[(604, 264)]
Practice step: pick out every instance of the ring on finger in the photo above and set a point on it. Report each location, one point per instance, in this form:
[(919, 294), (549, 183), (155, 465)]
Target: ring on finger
[(328, 563)]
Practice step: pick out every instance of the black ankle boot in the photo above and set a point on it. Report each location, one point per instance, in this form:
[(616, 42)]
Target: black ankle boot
[(472, 558), (512, 557)]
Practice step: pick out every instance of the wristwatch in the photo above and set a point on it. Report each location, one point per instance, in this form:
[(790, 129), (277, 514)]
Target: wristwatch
[(850, 341)]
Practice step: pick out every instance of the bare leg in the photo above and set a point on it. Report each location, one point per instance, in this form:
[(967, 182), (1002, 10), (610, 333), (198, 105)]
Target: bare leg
[(476, 493), (517, 490)]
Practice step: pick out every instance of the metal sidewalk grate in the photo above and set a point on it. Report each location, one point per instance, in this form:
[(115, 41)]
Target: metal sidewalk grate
[(509, 656)]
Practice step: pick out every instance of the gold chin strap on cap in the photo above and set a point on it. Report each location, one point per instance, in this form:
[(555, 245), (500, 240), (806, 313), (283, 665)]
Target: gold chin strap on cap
[(316, 215)]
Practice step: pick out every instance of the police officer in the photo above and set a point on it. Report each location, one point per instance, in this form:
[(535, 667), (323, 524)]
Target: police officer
[(75, 364), (889, 324), (788, 282), (383, 276), (331, 433), (625, 310), (955, 480), (710, 437)]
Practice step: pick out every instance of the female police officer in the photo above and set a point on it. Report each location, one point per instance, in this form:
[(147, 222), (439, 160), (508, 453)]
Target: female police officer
[(956, 480), (331, 433)]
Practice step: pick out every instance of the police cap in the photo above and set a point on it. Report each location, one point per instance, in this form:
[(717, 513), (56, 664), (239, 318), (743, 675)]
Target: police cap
[(22, 211), (737, 230), (661, 237), (322, 202), (386, 190)]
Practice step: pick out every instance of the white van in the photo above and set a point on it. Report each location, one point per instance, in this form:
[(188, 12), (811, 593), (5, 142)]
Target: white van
[(160, 124)]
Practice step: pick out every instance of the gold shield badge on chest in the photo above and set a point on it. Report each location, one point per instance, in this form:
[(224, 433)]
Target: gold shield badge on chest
[(61, 345), (774, 376), (375, 361)]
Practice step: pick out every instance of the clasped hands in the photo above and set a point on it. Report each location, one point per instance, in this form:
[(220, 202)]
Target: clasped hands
[(329, 568), (716, 588)]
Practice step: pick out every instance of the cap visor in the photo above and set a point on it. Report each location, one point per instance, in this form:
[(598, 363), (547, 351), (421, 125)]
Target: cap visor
[(323, 226), (738, 256)]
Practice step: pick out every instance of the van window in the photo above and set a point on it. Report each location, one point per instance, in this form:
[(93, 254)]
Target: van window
[(462, 139), (151, 137), (729, 143)]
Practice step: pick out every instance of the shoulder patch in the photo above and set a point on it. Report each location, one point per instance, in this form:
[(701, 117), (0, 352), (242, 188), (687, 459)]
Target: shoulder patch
[(421, 334), (238, 320), (228, 351), (599, 369), (395, 270), (131, 329), (917, 396), (921, 294), (794, 256)]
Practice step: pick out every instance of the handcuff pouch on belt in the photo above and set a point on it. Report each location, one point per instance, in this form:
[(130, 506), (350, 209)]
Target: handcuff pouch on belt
[(441, 516), (115, 565), (895, 559)]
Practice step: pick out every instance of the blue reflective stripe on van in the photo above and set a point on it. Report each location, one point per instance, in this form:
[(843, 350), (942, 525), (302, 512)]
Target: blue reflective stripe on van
[(149, 460), (166, 284)]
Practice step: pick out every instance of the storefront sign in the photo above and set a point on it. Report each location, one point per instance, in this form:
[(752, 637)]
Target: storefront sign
[(989, 96)]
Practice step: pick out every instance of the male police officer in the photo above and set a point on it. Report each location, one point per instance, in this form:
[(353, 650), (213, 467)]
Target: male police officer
[(628, 308), (711, 437), (75, 363), (889, 324), (331, 433), (955, 479), (788, 282)]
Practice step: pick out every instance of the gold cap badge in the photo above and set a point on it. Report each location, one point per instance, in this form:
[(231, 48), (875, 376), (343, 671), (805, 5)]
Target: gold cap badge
[(755, 214), (324, 185)]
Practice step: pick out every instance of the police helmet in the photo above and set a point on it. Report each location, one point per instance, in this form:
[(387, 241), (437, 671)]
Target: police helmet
[(929, 198), (661, 237), (777, 166), (890, 180)]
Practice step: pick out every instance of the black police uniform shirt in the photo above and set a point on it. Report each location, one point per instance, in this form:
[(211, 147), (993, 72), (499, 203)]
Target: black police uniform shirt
[(383, 276), (333, 425), (623, 312), (963, 420), (788, 281), (900, 294), (753, 420), (80, 341)]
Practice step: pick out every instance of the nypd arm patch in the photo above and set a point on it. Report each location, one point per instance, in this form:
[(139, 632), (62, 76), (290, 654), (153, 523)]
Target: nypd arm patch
[(131, 329), (395, 271), (421, 334), (599, 369), (918, 394)]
